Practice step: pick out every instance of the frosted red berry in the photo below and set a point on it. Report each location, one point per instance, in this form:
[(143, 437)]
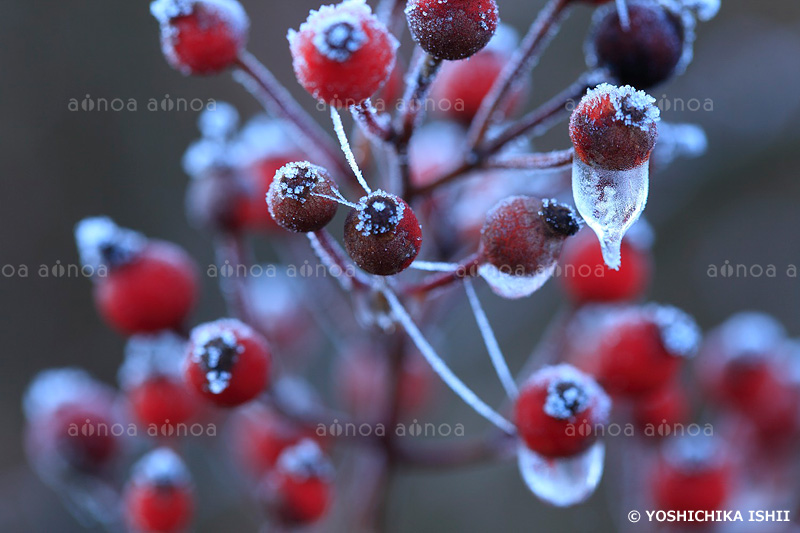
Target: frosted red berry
[(524, 235), (227, 362), (140, 285), (342, 54), (382, 234), (302, 197), (657, 414), (614, 128), (159, 497), (586, 278), (201, 36), (655, 47), (452, 29), (559, 411)]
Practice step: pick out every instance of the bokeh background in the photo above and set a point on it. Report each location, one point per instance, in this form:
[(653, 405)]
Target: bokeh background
[(739, 203)]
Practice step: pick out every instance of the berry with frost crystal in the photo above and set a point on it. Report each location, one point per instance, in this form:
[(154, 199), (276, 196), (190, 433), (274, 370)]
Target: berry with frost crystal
[(228, 362), (159, 497), (201, 36), (382, 234), (342, 54), (452, 29), (302, 197), (142, 285), (559, 411)]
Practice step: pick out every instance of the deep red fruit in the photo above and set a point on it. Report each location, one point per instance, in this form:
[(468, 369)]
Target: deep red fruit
[(586, 278), (302, 197), (453, 29), (614, 128), (559, 410), (342, 54), (159, 497), (648, 53), (298, 492), (201, 36), (382, 234), (161, 401), (692, 474), (658, 413), (227, 362), (523, 235)]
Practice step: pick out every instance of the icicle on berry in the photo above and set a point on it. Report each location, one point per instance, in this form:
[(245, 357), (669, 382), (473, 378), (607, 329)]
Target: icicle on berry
[(521, 242), (140, 285), (152, 380), (201, 37), (382, 234), (558, 414), (613, 131), (342, 54), (453, 29), (299, 491), (159, 497), (228, 362), (302, 197), (692, 474)]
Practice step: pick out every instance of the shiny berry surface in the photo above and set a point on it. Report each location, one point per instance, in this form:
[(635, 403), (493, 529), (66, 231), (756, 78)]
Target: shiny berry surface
[(452, 29)]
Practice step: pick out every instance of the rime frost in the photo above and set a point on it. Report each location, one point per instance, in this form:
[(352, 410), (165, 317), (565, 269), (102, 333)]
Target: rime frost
[(147, 356), (216, 349), (379, 212), (570, 392), (752, 333), (162, 467), (692, 453), (220, 122), (297, 180), (305, 460), (679, 332), (102, 243), (53, 388)]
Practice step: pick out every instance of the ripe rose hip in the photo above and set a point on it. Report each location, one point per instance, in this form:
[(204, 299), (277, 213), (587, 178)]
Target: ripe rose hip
[(140, 285), (559, 410), (227, 362), (452, 29), (382, 234), (342, 54), (655, 47), (586, 278), (159, 497), (523, 235), (201, 36), (302, 197), (299, 491)]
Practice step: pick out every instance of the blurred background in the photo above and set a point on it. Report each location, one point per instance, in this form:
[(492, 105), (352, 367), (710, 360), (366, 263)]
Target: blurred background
[(738, 203)]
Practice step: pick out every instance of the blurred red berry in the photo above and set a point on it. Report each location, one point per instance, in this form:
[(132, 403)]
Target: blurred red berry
[(159, 498), (658, 413)]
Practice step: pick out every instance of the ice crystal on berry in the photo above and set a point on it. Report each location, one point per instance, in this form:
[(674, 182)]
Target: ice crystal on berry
[(217, 349), (151, 355), (379, 213), (162, 467), (102, 243)]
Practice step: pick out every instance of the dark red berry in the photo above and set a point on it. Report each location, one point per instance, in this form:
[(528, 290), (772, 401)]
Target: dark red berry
[(654, 47), (658, 413), (560, 411), (382, 234), (302, 197), (159, 498), (228, 362), (342, 54), (201, 36), (452, 29), (523, 235), (614, 128)]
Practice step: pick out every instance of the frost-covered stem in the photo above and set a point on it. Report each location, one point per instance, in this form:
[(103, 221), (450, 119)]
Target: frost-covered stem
[(521, 63), (338, 127), (548, 161), (441, 368), (390, 12), (261, 83), (468, 268), (495, 445), (230, 248), (495, 353), (332, 255), (372, 123)]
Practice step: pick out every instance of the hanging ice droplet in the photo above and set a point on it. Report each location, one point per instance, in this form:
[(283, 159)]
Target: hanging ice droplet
[(562, 482), (512, 286)]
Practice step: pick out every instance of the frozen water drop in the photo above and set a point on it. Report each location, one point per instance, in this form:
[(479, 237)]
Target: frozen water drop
[(513, 287), (610, 201), (562, 482)]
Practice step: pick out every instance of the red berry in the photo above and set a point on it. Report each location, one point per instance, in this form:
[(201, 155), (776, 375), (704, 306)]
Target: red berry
[(201, 36), (382, 234), (559, 411), (159, 497), (692, 474), (658, 413), (452, 29), (302, 197), (298, 491), (656, 46), (614, 128), (228, 362), (586, 278), (523, 235), (342, 54)]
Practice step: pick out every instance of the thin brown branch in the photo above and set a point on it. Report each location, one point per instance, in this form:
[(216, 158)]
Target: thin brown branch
[(546, 161)]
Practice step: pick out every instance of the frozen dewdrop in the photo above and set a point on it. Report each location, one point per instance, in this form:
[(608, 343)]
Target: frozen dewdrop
[(148, 356), (613, 131), (219, 122), (101, 242)]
